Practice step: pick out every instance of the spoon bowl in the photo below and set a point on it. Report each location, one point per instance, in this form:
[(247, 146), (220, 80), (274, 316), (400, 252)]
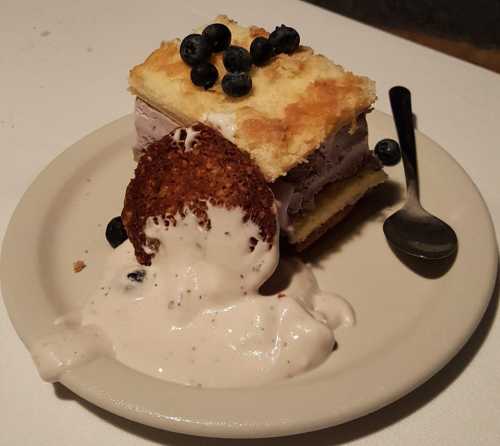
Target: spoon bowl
[(412, 229), (420, 234)]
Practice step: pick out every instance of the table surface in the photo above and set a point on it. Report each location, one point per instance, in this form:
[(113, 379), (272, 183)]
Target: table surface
[(64, 72)]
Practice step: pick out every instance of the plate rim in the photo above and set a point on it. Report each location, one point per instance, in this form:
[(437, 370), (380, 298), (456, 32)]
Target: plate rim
[(241, 430)]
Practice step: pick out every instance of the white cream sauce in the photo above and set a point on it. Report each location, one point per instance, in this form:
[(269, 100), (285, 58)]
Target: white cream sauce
[(283, 192), (191, 135), (189, 139), (68, 347), (195, 316), (224, 122)]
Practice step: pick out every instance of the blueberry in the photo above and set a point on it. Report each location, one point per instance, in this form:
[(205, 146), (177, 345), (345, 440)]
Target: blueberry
[(236, 84), (388, 152), (284, 39), (218, 36), (261, 51), (137, 276), (237, 59), (115, 232), (204, 75), (195, 49)]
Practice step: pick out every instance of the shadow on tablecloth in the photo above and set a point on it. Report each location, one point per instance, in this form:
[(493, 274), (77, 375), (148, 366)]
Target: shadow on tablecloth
[(338, 435)]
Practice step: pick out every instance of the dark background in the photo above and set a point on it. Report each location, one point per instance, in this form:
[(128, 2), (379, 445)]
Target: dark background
[(469, 30)]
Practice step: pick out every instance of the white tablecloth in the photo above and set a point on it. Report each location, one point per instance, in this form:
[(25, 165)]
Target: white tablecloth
[(63, 72)]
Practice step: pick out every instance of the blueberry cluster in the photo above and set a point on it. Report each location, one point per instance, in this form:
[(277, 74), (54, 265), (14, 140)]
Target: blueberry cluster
[(196, 50)]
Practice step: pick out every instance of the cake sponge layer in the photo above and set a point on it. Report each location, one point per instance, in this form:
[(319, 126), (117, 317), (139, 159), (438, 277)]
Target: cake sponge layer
[(333, 203), (296, 102)]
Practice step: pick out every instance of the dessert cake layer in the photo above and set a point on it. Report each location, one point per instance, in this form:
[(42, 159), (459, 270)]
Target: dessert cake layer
[(314, 195), (297, 100), (303, 123), (333, 203)]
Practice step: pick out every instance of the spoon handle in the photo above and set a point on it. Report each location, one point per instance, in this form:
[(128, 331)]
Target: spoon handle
[(400, 98)]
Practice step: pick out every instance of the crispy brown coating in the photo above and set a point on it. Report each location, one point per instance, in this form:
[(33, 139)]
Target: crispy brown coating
[(170, 179)]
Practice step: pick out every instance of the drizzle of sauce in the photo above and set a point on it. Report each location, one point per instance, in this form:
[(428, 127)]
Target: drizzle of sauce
[(189, 139), (177, 135)]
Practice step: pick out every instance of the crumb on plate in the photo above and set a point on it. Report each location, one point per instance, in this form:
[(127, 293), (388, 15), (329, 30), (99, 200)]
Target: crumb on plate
[(78, 266)]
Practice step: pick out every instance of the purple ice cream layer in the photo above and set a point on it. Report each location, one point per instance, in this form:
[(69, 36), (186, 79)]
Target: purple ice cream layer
[(340, 156), (150, 125)]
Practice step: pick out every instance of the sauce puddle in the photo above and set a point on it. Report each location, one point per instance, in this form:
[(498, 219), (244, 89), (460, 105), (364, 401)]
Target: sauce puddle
[(195, 316)]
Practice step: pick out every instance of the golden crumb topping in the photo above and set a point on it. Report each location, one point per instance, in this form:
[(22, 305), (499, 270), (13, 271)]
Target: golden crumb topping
[(296, 101)]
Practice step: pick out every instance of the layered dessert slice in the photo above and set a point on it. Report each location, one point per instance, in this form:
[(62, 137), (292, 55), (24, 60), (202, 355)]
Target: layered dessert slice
[(303, 123)]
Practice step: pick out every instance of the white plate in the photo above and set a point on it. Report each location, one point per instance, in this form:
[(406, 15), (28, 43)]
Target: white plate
[(408, 326)]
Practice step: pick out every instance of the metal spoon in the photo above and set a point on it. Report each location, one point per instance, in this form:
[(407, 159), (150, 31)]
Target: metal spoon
[(412, 229)]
